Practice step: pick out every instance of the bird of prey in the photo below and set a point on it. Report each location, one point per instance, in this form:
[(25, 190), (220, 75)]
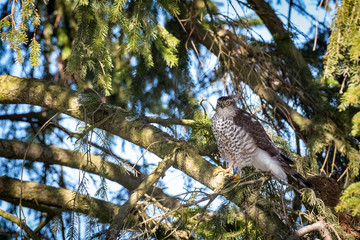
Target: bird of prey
[(242, 141)]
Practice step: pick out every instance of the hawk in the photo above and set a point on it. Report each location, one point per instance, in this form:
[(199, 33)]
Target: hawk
[(242, 141)]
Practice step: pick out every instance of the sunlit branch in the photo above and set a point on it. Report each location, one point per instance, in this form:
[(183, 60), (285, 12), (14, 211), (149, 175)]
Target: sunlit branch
[(13, 149), (170, 121), (20, 223), (55, 200)]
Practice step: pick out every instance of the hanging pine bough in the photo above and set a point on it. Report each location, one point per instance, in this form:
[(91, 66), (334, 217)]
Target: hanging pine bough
[(17, 23), (139, 29)]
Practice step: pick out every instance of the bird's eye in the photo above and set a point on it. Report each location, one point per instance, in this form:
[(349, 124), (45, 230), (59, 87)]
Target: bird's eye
[(228, 103), (218, 104)]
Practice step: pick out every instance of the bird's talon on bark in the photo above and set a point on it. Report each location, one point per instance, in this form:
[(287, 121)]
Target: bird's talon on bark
[(220, 169)]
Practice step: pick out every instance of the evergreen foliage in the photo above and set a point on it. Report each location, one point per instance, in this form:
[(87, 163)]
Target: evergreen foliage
[(139, 27), (343, 57), (15, 26), (350, 200)]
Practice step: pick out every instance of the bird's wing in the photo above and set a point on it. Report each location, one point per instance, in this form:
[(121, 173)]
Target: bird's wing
[(251, 125)]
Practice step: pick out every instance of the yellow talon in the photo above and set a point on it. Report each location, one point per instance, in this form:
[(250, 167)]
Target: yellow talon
[(220, 169)]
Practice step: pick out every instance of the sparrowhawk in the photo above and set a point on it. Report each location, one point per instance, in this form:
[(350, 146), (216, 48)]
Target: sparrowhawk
[(242, 141)]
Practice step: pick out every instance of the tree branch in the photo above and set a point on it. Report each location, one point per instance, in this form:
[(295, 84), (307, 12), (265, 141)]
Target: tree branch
[(170, 121), (126, 209), (20, 223), (42, 198), (60, 198), (13, 149), (319, 226), (31, 117)]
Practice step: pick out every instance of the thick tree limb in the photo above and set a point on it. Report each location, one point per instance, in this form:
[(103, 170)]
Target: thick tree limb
[(319, 226), (42, 198), (114, 120), (60, 198), (13, 149)]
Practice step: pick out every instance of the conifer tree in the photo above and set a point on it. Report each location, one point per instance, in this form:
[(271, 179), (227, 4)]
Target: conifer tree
[(103, 102)]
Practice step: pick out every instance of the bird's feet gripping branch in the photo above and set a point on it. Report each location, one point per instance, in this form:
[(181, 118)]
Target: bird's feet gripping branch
[(228, 171)]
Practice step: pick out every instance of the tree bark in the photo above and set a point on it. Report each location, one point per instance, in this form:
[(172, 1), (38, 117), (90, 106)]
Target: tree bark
[(319, 226)]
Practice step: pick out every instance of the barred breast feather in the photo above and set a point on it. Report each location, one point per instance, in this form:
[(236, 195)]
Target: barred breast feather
[(234, 143), (238, 143)]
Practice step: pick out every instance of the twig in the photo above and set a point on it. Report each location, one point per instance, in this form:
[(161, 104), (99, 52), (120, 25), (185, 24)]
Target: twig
[(332, 228), (326, 158), (104, 149), (23, 163), (343, 174), (203, 211), (41, 225), (142, 155), (201, 104), (344, 80), (333, 163), (316, 34)]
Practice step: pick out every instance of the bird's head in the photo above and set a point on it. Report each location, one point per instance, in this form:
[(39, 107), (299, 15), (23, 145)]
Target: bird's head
[(226, 106)]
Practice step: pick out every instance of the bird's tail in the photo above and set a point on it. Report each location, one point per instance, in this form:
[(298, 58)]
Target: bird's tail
[(295, 175), (326, 188)]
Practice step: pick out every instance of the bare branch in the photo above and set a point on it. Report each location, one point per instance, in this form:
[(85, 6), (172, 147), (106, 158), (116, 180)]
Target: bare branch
[(20, 223), (319, 226)]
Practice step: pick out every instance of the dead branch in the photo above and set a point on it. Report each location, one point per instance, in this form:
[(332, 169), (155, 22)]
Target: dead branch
[(319, 226)]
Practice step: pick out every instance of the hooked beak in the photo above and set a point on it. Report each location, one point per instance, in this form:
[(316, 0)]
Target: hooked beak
[(221, 105)]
